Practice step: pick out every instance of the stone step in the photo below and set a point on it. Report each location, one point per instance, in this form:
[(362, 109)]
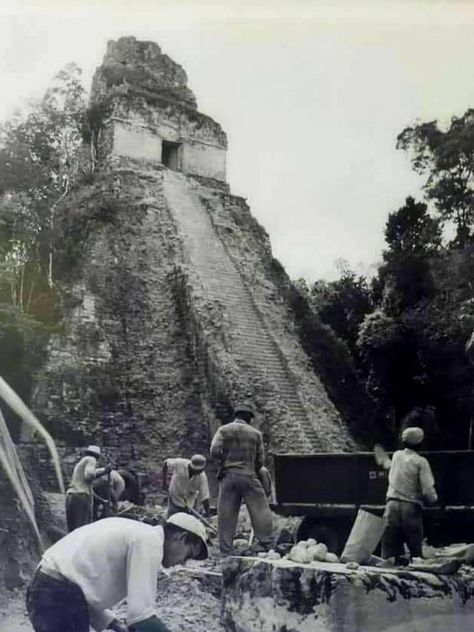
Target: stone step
[(251, 343)]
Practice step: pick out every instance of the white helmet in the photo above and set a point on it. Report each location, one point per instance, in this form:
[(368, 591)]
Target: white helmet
[(191, 524), (93, 449)]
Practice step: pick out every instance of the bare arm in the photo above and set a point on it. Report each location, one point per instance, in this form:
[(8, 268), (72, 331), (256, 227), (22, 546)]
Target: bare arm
[(102, 471), (118, 486)]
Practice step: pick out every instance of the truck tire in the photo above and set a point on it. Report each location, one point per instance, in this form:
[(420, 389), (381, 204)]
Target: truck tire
[(326, 533)]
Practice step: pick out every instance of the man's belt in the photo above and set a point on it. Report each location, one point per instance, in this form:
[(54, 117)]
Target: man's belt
[(52, 573)]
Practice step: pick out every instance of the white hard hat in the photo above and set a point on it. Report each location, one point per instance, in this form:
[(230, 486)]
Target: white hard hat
[(191, 524), (413, 435), (93, 449)]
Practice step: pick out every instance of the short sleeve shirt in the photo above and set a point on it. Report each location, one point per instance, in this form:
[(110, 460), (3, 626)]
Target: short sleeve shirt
[(185, 491)]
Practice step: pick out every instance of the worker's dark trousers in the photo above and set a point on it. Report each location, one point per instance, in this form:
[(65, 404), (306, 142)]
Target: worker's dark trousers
[(403, 525), (78, 510), (233, 489), (56, 606)]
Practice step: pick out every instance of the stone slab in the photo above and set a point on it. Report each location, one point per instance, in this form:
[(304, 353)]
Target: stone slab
[(262, 595)]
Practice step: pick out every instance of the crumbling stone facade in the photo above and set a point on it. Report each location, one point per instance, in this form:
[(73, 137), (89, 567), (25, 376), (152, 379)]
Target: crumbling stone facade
[(149, 113), (170, 313)]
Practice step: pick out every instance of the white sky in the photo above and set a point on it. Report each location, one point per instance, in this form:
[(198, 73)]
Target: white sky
[(312, 96)]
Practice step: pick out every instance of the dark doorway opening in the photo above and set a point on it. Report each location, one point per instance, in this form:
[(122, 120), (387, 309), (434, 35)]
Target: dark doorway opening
[(170, 154)]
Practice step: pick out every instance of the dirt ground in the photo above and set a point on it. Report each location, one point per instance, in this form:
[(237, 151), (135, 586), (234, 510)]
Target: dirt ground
[(12, 613)]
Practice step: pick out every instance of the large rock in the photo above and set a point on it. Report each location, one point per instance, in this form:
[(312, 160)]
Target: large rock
[(281, 596)]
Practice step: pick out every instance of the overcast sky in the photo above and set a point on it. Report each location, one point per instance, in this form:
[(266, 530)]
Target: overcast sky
[(312, 96)]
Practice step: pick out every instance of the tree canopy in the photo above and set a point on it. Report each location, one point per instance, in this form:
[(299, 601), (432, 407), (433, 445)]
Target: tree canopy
[(446, 158), (39, 159)]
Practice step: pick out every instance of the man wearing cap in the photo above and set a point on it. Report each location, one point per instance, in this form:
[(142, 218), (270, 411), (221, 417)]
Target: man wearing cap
[(238, 448), (79, 493), (189, 487), (410, 484), (98, 565)]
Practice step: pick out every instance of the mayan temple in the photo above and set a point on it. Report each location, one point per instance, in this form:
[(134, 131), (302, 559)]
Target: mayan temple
[(171, 306)]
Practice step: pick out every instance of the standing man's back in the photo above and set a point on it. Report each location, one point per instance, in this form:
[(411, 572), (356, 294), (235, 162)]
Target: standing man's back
[(238, 449), (410, 478), (410, 482)]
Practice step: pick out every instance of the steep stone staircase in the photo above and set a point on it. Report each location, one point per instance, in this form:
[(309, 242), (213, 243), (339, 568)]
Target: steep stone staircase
[(253, 345)]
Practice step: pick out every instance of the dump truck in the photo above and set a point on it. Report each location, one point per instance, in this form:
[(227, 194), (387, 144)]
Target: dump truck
[(327, 490)]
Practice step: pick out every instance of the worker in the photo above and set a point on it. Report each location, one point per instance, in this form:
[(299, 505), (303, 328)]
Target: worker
[(189, 487), (410, 484), (96, 566), (238, 449), (107, 491), (79, 493)]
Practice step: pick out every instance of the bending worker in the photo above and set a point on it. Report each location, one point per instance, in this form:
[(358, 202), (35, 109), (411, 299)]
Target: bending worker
[(189, 487), (107, 491), (410, 483), (98, 565), (238, 448), (79, 493)]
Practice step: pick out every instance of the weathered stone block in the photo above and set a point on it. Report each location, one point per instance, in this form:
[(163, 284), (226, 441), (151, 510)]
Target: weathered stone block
[(281, 596), (136, 142)]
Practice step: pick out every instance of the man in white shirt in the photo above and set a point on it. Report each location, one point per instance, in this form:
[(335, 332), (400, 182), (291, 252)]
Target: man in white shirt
[(189, 487), (410, 484), (79, 493), (96, 566)]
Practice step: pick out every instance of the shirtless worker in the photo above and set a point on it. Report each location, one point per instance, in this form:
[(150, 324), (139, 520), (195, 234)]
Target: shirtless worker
[(189, 487), (96, 566), (107, 491), (79, 493)]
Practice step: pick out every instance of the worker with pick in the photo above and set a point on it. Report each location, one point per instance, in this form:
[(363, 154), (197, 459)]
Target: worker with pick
[(410, 484), (189, 487), (79, 493), (238, 448), (96, 566)]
